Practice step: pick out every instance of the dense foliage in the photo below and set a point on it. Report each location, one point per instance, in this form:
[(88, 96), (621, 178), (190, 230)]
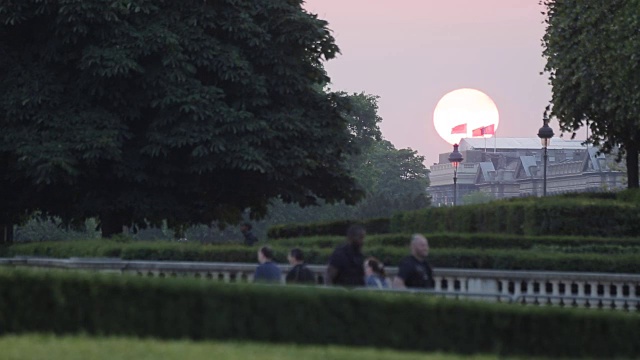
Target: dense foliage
[(594, 72), (575, 215), (466, 252), (188, 111), (178, 309)]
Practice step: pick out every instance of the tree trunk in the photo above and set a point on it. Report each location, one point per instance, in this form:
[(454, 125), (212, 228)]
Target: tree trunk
[(632, 165), (6, 234), (111, 223)]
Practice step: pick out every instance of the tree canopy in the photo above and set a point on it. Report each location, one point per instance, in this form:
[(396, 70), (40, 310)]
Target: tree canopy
[(393, 179), (135, 111), (592, 51)]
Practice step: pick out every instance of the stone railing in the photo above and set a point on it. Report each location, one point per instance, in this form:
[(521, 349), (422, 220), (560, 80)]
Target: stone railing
[(587, 290)]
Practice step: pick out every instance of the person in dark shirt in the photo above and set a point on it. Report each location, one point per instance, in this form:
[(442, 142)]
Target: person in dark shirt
[(267, 271), (414, 271), (299, 273), (249, 238), (346, 262)]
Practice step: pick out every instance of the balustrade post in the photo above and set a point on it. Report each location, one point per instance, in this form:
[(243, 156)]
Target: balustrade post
[(464, 286), (555, 291), (580, 302), (619, 297), (528, 300), (438, 283), (632, 304), (594, 304), (505, 289), (607, 304), (450, 287), (517, 288)]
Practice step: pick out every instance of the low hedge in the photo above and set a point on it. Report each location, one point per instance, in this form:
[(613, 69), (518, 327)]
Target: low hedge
[(472, 241), (70, 302), (548, 216), (373, 226), (513, 259)]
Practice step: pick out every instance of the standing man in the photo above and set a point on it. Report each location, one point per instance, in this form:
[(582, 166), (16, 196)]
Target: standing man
[(249, 238), (346, 263), (267, 271), (414, 271)]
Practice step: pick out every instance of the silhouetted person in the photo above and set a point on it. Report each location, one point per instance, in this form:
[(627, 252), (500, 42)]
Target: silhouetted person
[(414, 271), (346, 262), (268, 270), (249, 238), (299, 273)]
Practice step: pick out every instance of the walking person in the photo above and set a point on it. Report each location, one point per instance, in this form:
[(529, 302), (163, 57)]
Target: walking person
[(299, 273), (414, 271), (346, 262), (268, 270), (249, 238)]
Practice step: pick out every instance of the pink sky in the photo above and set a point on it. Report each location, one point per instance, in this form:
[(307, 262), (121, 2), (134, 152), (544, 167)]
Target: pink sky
[(413, 52)]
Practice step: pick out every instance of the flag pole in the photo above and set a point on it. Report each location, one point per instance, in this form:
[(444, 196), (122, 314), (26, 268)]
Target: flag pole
[(495, 135)]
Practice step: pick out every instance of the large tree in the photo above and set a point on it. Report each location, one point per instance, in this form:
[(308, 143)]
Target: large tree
[(592, 51), (136, 111), (393, 179)]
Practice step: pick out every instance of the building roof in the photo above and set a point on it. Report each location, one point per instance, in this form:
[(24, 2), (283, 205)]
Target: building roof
[(528, 162), (485, 168), (532, 143)]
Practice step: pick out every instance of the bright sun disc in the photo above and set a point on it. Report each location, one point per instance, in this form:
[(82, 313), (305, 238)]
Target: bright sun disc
[(462, 111)]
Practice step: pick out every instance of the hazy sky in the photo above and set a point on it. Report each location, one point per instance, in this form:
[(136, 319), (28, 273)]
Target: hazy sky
[(413, 52)]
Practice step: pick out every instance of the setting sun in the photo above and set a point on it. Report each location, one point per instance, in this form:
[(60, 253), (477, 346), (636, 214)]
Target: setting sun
[(465, 113)]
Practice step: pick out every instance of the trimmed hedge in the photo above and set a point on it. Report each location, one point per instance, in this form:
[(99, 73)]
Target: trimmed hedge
[(472, 241), (373, 226), (539, 216), (153, 251), (513, 259), (175, 309)]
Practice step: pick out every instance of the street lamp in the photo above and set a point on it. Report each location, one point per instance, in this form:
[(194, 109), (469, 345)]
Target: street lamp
[(545, 134), (455, 158)]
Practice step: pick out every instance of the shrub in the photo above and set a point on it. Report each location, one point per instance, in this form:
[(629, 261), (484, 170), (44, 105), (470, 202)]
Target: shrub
[(71, 302), (551, 216), (472, 241), (473, 258), (373, 226)]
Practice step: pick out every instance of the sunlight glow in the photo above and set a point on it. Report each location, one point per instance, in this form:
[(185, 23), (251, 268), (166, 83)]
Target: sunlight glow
[(465, 106)]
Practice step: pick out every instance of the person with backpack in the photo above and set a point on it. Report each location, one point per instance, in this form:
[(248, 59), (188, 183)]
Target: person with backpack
[(299, 273)]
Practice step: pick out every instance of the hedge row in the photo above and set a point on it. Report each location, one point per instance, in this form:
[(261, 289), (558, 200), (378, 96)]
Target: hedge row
[(174, 309), (472, 241), (373, 226), (439, 257), (549, 216), (605, 214)]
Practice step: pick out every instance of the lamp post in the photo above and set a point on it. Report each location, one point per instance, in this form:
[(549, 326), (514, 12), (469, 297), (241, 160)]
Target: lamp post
[(455, 158), (545, 134)]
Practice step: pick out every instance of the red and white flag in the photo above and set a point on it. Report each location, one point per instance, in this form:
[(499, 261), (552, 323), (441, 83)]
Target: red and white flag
[(484, 130), (460, 129)]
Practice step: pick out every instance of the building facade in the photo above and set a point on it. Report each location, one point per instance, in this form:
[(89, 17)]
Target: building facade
[(513, 167)]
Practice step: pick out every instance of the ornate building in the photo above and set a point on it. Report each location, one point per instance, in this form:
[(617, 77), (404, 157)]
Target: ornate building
[(512, 167)]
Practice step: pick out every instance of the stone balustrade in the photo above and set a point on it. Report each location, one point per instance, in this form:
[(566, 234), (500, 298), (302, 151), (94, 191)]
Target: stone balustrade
[(568, 289)]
